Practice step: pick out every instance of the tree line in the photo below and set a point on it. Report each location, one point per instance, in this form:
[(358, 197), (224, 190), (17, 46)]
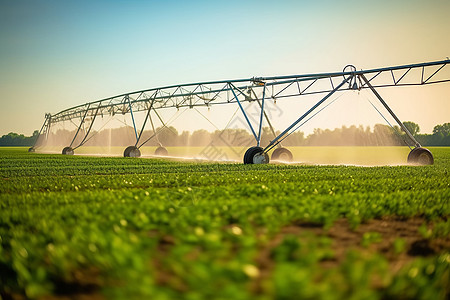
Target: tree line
[(380, 135), (13, 139)]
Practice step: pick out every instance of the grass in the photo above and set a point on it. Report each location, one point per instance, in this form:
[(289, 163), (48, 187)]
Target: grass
[(112, 227)]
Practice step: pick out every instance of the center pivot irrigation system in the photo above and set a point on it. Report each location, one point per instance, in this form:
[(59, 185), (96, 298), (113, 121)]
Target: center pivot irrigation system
[(236, 92)]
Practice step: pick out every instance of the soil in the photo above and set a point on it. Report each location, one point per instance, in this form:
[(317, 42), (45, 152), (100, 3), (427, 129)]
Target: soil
[(342, 235), (344, 238)]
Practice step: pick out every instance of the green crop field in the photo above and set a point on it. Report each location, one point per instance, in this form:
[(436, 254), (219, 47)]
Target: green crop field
[(77, 227)]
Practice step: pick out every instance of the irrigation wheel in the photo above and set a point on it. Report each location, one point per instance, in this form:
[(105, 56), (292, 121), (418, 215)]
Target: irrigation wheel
[(282, 154), (31, 150), (420, 156), (161, 151), (255, 155), (67, 151), (132, 151)]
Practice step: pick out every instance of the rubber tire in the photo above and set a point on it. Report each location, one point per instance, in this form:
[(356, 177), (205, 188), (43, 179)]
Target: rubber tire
[(126, 152), (420, 156), (132, 151), (161, 151), (251, 152), (67, 151), (282, 154), (31, 150)]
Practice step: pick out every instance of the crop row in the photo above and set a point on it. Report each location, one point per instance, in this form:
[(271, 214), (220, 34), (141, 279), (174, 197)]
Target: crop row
[(165, 229)]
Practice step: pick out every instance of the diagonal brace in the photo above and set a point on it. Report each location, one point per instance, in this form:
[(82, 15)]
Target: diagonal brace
[(374, 91), (132, 117), (275, 141), (81, 123), (90, 127), (45, 125), (145, 122)]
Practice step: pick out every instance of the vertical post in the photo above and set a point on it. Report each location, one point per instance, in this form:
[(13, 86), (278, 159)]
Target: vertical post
[(374, 91)]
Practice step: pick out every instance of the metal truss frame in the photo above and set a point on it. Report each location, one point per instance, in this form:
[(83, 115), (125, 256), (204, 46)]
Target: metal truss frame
[(239, 91)]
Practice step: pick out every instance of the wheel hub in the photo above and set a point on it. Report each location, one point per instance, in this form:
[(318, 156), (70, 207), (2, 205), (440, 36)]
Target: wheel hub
[(261, 158)]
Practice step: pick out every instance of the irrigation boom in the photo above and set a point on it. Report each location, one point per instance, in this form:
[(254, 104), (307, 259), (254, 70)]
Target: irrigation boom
[(237, 91)]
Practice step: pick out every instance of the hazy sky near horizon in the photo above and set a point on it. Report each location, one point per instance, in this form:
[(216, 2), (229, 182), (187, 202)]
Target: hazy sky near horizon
[(58, 54)]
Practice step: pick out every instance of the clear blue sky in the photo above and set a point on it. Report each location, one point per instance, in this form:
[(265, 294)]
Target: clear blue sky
[(58, 54)]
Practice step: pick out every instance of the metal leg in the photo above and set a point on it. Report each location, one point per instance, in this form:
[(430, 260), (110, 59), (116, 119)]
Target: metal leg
[(153, 128), (89, 129), (155, 133), (258, 142), (165, 125), (45, 125), (132, 117), (416, 143), (79, 127), (274, 142), (47, 128), (265, 115), (43, 131), (243, 112), (145, 122)]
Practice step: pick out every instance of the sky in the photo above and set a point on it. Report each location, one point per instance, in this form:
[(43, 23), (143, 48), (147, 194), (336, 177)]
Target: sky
[(58, 54)]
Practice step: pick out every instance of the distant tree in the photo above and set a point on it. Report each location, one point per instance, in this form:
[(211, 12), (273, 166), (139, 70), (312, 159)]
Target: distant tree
[(34, 137), (167, 136), (443, 129), (232, 137), (295, 139), (266, 136), (200, 137), (441, 135), (383, 135), (183, 138), (412, 127), (14, 139)]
